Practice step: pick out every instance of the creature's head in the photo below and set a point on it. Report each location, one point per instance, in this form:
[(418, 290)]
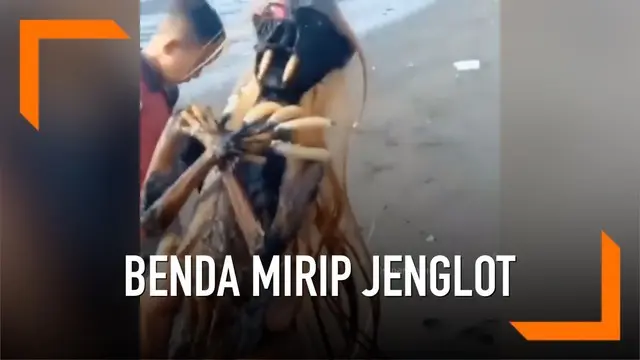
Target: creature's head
[(299, 43), (305, 54)]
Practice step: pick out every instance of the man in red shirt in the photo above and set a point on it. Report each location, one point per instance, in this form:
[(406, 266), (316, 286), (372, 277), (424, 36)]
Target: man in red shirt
[(190, 38)]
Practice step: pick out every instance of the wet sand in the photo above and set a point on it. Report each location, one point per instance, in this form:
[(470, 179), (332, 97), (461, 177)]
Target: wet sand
[(428, 148), (424, 163)]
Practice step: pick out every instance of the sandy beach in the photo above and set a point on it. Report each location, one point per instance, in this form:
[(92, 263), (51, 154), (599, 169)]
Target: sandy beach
[(424, 163), (429, 149)]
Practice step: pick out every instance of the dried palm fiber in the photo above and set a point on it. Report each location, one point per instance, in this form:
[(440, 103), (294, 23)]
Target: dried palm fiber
[(331, 229)]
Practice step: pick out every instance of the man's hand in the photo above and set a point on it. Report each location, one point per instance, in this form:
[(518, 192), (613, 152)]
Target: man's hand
[(199, 123)]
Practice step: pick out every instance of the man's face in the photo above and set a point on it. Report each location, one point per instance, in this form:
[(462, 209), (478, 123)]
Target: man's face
[(186, 60)]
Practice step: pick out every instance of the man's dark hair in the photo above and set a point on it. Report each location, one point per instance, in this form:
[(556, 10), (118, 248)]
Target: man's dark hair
[(204, 22)]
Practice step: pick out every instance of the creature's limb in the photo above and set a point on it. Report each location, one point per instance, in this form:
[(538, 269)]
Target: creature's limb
[(194, 122), (159, 313), (298, 190), (253, 137), (173, 186), (162, 212)]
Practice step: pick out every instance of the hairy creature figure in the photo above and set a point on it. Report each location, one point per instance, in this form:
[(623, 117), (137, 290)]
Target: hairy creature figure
[(272, 179)]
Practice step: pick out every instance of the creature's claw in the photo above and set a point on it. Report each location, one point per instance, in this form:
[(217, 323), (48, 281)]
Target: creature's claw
[(301, 152), (257, 135), (290, 68), (285, 114), (264, 63), (261, 111), (305, 123), (267, 125)]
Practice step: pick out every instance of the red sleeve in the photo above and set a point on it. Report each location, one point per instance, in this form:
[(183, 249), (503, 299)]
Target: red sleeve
[(154, 114)]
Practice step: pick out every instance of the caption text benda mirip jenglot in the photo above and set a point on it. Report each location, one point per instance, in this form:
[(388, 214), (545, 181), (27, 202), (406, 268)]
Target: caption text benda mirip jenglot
[(287, 275)]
